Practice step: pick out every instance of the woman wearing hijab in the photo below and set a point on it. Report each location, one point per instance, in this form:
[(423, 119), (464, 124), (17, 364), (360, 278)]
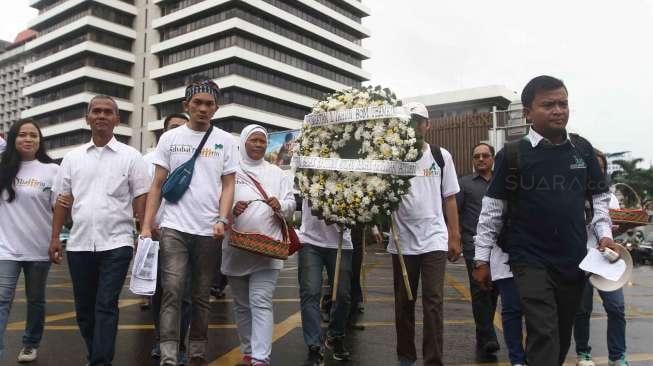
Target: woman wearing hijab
[(253, 277), (26, 201)]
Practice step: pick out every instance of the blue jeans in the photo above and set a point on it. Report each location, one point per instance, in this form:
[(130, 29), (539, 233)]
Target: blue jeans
[(311, 261), (511, 317), (98, 278), (613, 303), (36, 275)]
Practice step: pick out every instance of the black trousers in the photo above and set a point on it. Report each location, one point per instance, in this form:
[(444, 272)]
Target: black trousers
[(484, 306), (549, 302)]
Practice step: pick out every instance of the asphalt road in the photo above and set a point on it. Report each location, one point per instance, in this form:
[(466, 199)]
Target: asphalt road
[(375, 345)]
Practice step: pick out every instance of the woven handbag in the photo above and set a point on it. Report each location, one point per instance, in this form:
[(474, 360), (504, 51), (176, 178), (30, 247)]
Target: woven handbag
[(630, 216), (262, 244)]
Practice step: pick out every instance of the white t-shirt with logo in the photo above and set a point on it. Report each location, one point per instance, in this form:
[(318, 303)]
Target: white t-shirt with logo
[(26, 222), (198, 209), (315, 231), (420, 219)]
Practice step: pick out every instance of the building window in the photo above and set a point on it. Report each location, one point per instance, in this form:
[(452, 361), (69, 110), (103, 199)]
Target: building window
[(226, 41), (245, 98), (287, 31), (248, 71)]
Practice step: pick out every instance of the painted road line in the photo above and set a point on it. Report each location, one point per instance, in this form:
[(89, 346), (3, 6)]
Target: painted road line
[(69, 315), (464, 292), (280, 330)]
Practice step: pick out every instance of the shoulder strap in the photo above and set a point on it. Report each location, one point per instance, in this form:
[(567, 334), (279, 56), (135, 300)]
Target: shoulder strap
[(513, 159), (201, 145), (581, 144), (584, 147), (258, 185), (437, 155), (439, 159)]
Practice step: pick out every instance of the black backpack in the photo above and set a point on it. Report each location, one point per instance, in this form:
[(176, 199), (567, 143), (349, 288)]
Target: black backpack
[(582, 146)]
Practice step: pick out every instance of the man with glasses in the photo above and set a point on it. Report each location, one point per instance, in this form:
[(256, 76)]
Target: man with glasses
[(472, 190)]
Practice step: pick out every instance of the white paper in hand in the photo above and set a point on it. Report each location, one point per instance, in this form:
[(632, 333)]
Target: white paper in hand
[(594, 262), (144, 269)]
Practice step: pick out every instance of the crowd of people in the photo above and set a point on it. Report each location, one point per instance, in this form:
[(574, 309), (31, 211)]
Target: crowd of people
[(521, 243)]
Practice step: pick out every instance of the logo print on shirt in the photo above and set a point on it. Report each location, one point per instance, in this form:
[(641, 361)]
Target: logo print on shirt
[(32, 183), (578, 163), (207, 152), (432, 171)]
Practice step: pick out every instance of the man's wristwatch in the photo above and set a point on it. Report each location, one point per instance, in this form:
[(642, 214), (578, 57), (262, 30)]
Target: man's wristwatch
[(223, 220), (478, 263)]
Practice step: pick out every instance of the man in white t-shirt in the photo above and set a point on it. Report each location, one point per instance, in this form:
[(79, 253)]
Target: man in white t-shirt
[(170, 122), (108, 181), (3, 145), (426, 241), (320, 247), (192, 227)]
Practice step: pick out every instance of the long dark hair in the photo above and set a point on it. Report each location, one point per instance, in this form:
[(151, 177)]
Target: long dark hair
[(10, 159)]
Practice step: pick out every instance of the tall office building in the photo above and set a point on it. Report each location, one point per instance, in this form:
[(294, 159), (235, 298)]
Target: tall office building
[(12, 79), (271, 58), (83, 48)]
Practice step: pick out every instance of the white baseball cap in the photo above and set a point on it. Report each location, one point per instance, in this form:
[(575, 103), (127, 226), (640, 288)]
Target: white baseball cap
[(418, 109)]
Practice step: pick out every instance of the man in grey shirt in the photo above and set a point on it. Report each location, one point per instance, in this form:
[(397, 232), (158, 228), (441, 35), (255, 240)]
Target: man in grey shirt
[(484, 303)]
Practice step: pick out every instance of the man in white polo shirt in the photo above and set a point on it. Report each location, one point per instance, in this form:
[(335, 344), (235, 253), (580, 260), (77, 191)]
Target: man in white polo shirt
[(320, 243), (108, 181), (193, 227), (426, 241)]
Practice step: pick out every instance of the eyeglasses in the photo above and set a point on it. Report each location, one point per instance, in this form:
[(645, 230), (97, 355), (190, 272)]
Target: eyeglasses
[(479, 156)]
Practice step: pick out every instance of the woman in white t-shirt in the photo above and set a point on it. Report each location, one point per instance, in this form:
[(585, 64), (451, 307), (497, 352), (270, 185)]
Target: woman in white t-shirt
[(253, 277), (26, 200)]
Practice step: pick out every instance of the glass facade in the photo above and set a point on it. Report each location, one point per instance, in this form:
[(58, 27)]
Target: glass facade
[(248, 43), (245, 98), (246, 70), (106, 39), (274, 26), (90, 85)]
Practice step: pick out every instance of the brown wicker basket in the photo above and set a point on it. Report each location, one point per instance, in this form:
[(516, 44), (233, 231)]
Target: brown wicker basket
[(630, 216), (262, 244)]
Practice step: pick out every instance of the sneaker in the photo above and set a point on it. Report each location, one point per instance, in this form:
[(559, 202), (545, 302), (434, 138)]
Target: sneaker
[(247, 361), (217, 293), (27, 354), (584, 359), (315, 357), (156, 351), (260, 363), (621, 362), (405, 362), (182, 359), (491, 347), (337, 345)]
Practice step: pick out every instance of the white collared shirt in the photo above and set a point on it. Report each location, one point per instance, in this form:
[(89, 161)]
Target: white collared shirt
[(103, 181)]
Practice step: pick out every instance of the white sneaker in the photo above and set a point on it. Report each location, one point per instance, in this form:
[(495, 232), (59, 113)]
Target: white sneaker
[(27, 354), (584, 359)]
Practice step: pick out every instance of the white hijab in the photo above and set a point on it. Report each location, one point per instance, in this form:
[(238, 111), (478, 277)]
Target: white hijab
[(249, 165)]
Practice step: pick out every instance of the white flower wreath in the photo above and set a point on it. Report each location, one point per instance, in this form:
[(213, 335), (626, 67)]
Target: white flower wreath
[(348, 198)]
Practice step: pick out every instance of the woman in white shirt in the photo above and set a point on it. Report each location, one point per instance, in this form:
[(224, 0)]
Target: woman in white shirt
[(253, 277), (26, 200)]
